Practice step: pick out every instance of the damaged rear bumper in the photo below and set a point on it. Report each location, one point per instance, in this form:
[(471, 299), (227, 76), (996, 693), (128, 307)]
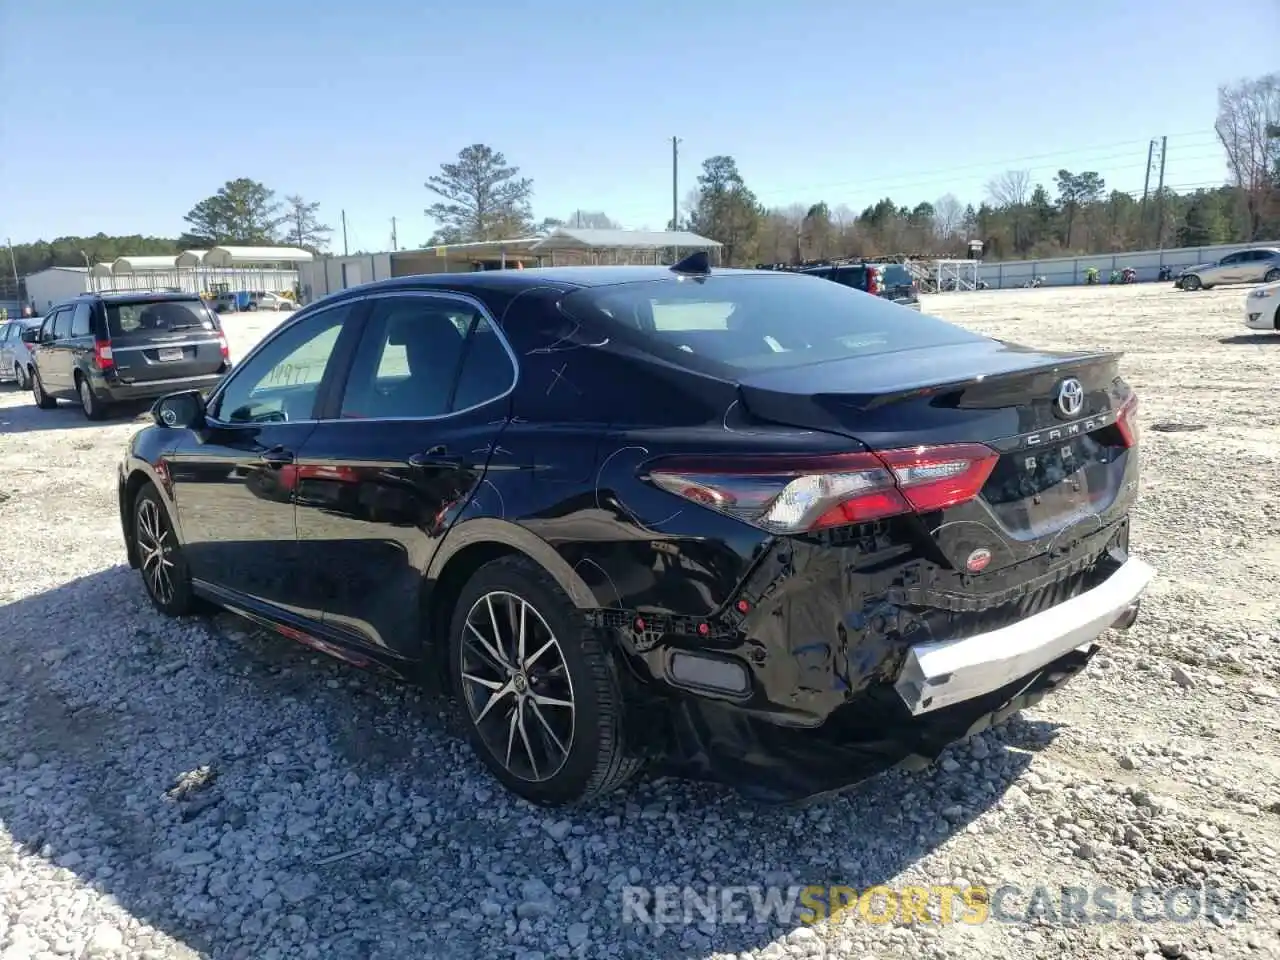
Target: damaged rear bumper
[(942, 673), (925, 698)]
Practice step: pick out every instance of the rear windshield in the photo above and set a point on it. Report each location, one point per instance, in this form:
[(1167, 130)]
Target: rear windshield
[(895, 274), (138, 320), (757, 321)]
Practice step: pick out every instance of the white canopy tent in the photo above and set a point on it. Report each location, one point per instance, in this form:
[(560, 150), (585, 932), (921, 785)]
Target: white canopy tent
[(124, 265), (619, 246), (253, 256)]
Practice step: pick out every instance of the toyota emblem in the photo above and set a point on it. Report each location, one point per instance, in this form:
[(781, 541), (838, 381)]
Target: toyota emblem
[(1070, 397)]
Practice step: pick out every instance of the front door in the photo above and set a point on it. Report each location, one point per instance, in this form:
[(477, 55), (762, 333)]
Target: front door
[(404, 448), (54, 361), (234, 479)]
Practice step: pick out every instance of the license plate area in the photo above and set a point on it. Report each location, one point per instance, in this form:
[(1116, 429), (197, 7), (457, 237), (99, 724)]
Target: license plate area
[(169, 353)]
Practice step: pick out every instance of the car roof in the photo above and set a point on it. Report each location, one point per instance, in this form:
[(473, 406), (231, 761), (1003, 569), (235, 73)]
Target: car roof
[(139, 296), (513, 281)]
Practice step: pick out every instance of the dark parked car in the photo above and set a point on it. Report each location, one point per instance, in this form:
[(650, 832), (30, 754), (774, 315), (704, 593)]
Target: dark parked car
[(756, 527), (892, 281), (107, 348)]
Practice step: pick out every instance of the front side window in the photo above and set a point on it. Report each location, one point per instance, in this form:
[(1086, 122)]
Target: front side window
[(407, 364), (738, 322), (281, 382), (6, 331)]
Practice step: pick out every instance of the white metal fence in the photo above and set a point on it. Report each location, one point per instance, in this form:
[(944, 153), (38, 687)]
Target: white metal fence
[(199, 279), (1066, 271)]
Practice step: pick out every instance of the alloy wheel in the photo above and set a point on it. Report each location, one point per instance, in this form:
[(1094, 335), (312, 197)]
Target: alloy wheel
[(86, 398), (154, 546), (516, 685)]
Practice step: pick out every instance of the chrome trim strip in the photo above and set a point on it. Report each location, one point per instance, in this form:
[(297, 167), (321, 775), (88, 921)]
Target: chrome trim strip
[(302, 315), (946, 672), (166, 345)]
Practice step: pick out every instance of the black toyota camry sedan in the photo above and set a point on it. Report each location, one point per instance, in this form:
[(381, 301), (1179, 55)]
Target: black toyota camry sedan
[(747, 526)]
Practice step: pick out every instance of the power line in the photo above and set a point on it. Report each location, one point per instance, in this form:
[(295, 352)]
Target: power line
[(998, 166)]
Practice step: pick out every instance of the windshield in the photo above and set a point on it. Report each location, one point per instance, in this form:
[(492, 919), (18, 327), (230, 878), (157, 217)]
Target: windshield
[(757, 321), (138, 320)]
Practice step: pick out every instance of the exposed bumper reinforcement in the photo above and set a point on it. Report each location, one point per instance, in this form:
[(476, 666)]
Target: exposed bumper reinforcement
[(945, 672)]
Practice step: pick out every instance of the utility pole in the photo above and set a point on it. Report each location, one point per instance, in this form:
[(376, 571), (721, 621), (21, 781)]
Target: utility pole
[(394, 248), (675, 193), (344, 233), (1164, 144), (1146, 189), (13, 262), (675, 183)]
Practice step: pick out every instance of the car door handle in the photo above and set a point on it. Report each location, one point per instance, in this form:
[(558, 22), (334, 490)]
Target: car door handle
[(277, 457), (437, 456)]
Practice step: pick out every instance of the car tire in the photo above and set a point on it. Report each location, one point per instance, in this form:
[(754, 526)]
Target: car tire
[(94, 409), (160, 559), (547, 720), (1272, 276), (1191, 282), (20, 376), (42, 399)]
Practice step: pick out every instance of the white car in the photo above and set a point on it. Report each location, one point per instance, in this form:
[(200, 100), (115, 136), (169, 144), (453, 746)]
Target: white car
[(273, 301), (15, 356), (1262, 308)]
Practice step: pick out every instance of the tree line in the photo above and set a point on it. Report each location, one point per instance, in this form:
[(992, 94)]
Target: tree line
[(481, 196)]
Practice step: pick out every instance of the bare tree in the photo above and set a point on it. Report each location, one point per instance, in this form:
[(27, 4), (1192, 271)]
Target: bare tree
[(1248, 113), (947, 214), (1010, 189)]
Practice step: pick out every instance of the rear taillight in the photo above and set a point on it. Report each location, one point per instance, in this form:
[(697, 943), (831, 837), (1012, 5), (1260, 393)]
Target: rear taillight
[(1127, 421), (873, 280), (102, 355), (787, 494), (222, 345)]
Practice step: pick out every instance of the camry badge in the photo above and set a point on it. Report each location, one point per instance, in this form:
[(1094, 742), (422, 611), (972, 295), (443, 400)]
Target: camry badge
[(978, 560)]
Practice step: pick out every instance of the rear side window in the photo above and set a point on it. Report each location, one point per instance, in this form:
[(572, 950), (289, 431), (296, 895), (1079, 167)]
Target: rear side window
[(138, 321), (81, 320), (855, 277), (738, 322), (408, 362)]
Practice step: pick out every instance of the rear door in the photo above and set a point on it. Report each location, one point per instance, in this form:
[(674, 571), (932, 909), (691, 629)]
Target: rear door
[(79, 344), (382, 478), (163, 340)]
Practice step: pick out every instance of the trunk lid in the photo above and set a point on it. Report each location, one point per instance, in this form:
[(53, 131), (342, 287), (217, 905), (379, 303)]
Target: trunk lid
[(1060, 465), (163, 340)]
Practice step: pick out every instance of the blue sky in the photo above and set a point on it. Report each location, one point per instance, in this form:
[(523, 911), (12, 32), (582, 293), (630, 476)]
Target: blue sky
[(120, 117)]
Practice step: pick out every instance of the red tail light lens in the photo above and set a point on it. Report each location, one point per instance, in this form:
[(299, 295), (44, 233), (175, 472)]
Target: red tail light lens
[(797, 494), (102, 358), (222, 343), (873, 280), (1127, 421)]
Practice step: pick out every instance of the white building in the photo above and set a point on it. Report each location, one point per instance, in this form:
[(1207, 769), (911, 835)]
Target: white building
[(231, 269)]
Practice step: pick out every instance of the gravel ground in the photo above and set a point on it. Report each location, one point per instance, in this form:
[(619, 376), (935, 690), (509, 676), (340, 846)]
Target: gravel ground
[(172, 790)]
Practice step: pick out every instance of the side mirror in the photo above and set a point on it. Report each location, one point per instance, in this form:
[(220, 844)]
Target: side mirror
[(31, 335), (180, 410)]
